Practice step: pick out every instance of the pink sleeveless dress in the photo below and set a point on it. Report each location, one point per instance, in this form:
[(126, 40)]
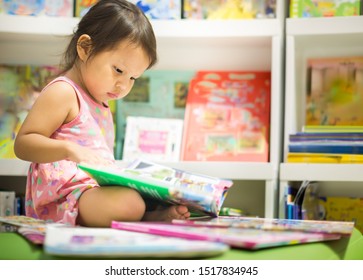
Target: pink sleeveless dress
[(53, 189)]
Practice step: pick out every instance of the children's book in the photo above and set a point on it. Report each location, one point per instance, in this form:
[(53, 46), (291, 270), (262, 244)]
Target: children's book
[(62, 8), (157, 139), (324, 8), (20, 85), (337, 147), (247, 238), (269, 224), (157, 94), (228, 9), (160, 9), (30, 228), (111, 243), (227, 118), (342, 209), (200, 193), (323, 158), (332, 136), (334, 91), (81, 7), (332, 128)]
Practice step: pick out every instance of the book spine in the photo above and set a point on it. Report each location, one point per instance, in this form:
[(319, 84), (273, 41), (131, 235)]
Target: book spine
[(332, 149), (295, 8)]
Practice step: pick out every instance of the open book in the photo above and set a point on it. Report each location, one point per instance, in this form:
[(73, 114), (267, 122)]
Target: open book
[(200, 193)]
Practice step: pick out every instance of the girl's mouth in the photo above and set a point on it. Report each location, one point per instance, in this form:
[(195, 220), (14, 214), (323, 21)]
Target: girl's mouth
[(113, 95)]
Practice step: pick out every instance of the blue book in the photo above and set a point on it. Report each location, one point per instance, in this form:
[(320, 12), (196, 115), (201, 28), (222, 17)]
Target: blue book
[(327, 147), (336, 136)]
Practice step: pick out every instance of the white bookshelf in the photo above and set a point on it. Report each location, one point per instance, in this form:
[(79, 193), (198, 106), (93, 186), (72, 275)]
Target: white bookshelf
[(316, 37), (182, 45)]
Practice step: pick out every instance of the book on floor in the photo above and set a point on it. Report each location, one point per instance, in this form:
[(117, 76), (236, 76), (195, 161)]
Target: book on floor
[(246, 238), (108, 242)]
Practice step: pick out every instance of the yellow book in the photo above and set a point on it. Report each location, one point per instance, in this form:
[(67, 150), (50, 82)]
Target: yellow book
[(323, 158), (332, 128)]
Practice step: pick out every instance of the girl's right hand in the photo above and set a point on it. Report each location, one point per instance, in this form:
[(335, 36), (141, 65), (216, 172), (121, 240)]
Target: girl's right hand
[(81, 154)]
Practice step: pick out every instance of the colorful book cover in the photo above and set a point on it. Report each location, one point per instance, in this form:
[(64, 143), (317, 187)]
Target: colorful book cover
[(30, 228), (157, 94), (62, 8), (334, 94), (227, 119), (271, 224), (228, 9), (201, 194), (59, 8), (324, 8), (156, 139), (338, 208), (160, 9), (247, 238), (107, 242), (82, 7), (20, 85)]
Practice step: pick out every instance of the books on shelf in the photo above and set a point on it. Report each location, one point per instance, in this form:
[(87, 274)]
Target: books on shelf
[(332, 128), (329, 147), (59, 8), (314, 206), (157, 94), (111, 243), (325, 147), (324, 8), (161, 9), (157, 139), (323, 158), (228, 9), (342, 209), (227, 117), (334, 94), (201, 194), (20, 85), (247, 238)]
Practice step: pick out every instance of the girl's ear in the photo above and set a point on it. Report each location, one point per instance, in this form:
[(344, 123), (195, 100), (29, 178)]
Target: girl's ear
[(84, 46)]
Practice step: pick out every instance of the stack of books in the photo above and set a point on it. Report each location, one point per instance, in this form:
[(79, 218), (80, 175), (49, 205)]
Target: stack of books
[(329, 144)]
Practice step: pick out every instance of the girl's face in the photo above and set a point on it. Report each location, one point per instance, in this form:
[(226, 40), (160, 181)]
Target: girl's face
[(111, 74)]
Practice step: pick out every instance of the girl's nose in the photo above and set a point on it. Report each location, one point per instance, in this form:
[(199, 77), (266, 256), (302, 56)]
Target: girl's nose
[(121, 86)]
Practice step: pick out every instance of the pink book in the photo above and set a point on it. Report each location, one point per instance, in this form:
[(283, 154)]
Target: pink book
[(316, 226), (246, 238)]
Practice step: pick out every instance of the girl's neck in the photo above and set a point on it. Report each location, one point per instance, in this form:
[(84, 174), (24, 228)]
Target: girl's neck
[(75, 75)]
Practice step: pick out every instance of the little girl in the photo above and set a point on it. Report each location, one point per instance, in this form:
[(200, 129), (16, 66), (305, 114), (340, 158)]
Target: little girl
[(70, 122)]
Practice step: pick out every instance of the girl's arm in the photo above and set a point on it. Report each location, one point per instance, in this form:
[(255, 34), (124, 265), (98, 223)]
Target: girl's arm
[(56, 105)]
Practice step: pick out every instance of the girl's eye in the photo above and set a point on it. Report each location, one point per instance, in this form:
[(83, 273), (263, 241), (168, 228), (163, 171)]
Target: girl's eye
[(132, 78), (118, 70)]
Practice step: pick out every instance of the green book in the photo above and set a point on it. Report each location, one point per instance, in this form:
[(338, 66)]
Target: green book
[(327, 8), (200, 193)]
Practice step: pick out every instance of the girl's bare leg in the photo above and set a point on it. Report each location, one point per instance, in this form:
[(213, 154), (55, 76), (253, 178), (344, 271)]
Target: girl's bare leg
[(98, 207)]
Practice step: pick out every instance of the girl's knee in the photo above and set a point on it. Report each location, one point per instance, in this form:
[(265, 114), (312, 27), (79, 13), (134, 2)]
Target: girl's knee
[(134, 207)]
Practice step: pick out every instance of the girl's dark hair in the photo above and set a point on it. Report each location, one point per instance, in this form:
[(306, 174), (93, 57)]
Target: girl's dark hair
[(108, 23)]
